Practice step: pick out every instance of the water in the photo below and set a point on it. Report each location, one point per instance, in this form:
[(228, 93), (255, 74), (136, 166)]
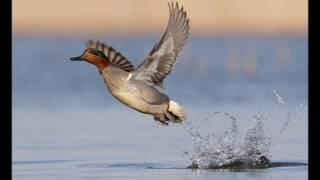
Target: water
[(66, 126), (226, 150)]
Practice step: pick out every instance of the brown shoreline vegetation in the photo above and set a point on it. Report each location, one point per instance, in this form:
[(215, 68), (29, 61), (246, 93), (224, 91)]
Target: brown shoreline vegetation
[(132, 17)]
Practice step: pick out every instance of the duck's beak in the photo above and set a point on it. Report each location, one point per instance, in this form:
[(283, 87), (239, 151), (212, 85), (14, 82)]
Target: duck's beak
[(78, 58)]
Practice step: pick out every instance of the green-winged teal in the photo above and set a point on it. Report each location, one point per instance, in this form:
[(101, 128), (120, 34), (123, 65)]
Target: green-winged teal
[(140, 88)]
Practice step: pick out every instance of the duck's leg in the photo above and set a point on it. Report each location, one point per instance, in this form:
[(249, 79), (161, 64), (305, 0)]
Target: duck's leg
[(172, 117), (161, 120)]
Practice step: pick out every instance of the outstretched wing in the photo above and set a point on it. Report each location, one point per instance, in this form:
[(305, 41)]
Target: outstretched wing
[(115, 58), (163, 56)]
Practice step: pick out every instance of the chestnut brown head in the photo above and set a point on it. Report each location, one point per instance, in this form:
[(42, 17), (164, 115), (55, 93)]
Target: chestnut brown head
[(93, 56)]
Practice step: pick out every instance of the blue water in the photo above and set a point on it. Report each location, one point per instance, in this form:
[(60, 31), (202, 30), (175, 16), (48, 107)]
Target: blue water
[(66, 126)]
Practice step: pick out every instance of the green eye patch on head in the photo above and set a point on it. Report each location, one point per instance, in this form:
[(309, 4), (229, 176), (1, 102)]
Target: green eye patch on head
[(98, 53)]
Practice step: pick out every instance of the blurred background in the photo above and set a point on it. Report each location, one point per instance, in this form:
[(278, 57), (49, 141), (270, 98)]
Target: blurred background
[(208, 17), (253, 42), (237, 54)]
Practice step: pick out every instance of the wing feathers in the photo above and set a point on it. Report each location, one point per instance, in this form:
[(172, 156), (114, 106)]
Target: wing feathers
[(115, 58), (158, 64), (166, 52)]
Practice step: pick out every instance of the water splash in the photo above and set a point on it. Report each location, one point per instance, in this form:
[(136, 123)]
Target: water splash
[(282, 103), (227, 149), (279, 98)]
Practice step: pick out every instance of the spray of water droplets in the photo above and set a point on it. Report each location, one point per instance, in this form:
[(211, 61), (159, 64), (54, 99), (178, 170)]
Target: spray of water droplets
[(227, 149)]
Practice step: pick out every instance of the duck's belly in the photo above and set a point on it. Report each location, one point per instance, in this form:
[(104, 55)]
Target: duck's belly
[(131, 97)]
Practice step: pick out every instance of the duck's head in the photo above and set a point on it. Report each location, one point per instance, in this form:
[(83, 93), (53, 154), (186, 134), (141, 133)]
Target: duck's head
[(93, 56)]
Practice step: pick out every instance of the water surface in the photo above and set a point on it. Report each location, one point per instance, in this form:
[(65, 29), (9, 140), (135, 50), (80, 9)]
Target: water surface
[(66, 126)]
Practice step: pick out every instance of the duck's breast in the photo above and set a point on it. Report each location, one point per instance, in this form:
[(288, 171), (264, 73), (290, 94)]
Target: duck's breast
[(135, 93)]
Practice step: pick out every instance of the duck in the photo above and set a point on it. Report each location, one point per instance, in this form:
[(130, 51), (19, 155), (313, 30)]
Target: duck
[(141, 88)]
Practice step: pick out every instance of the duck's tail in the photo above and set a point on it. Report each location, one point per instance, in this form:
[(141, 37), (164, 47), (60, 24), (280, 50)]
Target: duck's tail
[(176, 113)]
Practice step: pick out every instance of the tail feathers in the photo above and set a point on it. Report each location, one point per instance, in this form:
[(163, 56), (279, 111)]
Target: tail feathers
[(176, 113)]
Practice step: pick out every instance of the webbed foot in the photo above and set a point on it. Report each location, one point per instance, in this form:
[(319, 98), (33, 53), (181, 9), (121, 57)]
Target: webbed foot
[(162, 122)]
